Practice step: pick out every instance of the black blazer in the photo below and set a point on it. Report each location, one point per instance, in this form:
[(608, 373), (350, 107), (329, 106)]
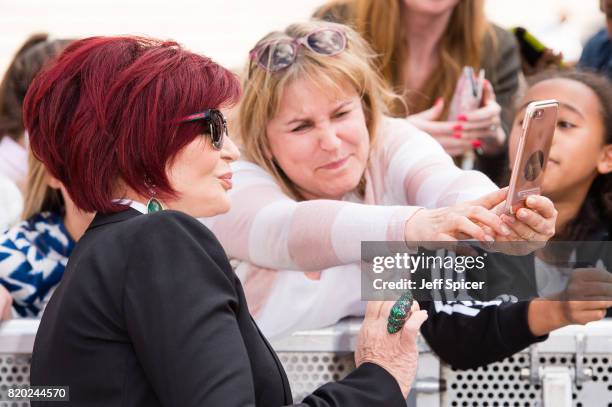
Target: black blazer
[(149, 313)]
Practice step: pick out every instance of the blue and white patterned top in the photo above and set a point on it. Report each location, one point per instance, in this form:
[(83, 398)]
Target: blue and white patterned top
[(33, 257)]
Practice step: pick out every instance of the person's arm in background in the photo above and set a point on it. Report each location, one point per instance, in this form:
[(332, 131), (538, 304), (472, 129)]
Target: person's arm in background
[(587, 298), (484, 327), (431, 179), (467, 336), (269, 229), (496, 330)]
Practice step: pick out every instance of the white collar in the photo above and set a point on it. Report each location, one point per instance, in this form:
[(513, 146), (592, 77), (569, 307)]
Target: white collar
[(140, 207)]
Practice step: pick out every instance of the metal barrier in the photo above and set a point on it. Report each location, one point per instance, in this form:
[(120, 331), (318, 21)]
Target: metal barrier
[(572, 368), (16, 343)]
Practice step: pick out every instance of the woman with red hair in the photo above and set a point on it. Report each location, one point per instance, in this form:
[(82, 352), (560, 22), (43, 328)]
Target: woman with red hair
[(149, 312)]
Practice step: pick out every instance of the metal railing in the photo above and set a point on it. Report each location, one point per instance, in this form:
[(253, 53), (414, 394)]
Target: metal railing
[(572, 368)]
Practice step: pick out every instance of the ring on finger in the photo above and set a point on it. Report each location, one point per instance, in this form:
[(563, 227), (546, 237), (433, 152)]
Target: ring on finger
[(399, 313)]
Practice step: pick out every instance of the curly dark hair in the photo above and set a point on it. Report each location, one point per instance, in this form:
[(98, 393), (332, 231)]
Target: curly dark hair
[(596, 209)]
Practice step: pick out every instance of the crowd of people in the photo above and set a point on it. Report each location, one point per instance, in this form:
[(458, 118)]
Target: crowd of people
[(147, 240)]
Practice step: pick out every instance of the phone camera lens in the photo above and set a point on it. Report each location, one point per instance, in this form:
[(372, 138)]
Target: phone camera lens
[(538, 113)]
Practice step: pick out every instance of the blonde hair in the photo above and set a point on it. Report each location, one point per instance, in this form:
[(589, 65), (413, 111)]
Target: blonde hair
[(380, 23), (39, 196), (263, 91)]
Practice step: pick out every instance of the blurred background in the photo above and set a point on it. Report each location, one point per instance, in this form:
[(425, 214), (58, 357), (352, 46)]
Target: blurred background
[(227, 29)]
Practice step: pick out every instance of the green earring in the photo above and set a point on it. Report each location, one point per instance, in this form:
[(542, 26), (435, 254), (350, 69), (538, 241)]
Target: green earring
[(154, 206)]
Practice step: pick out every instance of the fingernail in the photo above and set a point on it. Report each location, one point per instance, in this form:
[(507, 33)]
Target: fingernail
[(531, 200), (462, 118), (522, 214), (489, 238), (505, 230), (457, 135), (509, 219), (476, 143), (458, 127)]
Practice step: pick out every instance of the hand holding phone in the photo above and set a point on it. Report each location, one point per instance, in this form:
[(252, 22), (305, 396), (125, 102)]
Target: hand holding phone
[(532, 153), (468, 93)]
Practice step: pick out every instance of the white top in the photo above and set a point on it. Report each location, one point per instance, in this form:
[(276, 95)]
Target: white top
[(11, 203), (13, 160)]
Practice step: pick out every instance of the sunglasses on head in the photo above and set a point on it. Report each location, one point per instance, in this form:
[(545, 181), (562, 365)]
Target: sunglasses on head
[(277, 55), (217, 126)]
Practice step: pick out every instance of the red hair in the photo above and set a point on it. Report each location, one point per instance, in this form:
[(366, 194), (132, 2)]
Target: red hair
[(107, 111)]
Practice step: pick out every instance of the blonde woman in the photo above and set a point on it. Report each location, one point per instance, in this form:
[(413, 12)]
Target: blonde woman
[(325, 169), (421, 47), (34, 253)]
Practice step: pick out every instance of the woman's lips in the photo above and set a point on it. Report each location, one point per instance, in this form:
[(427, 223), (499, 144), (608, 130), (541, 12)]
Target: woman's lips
[(226, 180), (335, 164)]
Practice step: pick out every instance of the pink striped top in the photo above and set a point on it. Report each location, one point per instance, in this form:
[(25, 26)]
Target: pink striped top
[(269, 233)]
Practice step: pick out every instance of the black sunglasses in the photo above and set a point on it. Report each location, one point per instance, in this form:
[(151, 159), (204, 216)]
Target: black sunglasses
[(216, 124)]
